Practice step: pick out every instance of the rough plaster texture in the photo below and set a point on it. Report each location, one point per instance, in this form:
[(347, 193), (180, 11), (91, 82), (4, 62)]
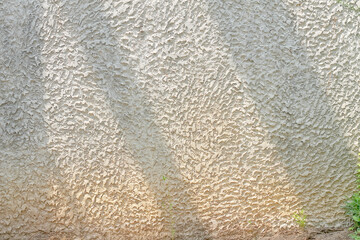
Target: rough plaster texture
[(250, 108)]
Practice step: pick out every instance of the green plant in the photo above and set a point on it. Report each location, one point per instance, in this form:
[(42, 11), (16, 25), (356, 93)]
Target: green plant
[(352, 207), (353, 210), (168, 206), (300, 218)]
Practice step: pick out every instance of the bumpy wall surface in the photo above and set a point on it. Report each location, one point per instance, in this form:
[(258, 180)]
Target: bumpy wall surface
[(249, 109)]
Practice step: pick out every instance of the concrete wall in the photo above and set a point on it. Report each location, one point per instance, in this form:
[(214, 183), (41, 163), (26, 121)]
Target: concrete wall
[(249, 108)]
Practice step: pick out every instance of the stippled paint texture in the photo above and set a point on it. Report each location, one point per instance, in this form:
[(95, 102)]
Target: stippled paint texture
[(249, 108)]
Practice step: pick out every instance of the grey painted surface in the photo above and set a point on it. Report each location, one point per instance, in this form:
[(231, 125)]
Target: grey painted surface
[(249, 108)]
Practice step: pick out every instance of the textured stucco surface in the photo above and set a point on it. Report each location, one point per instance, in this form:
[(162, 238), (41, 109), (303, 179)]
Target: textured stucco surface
[(250, 108)]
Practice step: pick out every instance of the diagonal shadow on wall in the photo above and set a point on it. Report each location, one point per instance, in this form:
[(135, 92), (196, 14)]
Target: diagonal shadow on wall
[(278, 77), (113, 65), (25, 169), (289, 96)]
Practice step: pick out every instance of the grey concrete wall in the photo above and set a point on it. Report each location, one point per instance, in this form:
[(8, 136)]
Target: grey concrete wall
[(250, 109)]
